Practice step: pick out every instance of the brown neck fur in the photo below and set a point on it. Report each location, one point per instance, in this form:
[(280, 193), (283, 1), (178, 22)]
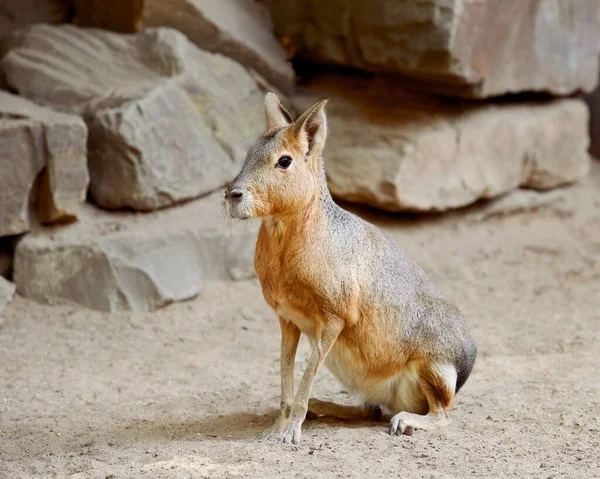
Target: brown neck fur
[(304, 220)]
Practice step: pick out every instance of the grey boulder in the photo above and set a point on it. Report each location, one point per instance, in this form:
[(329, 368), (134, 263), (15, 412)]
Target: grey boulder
[(45, 148), (114, 261)]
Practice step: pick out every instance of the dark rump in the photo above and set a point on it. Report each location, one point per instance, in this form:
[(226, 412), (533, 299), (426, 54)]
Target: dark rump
[(464, 363)]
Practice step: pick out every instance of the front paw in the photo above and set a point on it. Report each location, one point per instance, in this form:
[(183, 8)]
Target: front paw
[(292, 433)]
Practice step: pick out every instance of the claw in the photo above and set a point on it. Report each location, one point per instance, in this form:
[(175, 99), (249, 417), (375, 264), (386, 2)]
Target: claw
[(291, 434)]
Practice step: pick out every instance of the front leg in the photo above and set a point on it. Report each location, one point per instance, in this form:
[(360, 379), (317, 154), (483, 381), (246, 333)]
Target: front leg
[(290, 335), (327, 333)]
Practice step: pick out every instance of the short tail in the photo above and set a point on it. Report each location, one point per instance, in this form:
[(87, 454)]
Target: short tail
[(464, 363)]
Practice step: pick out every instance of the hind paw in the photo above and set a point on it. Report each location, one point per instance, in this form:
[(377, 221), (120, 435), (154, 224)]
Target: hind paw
[(399, 425)]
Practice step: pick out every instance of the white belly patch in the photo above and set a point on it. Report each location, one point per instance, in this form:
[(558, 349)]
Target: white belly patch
[(400, 392)]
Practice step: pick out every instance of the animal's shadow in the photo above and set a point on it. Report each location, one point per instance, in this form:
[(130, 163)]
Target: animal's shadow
[(224, 427)]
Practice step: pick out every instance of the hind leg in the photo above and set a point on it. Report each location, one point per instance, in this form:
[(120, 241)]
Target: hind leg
[(367, 412), (437, 384)]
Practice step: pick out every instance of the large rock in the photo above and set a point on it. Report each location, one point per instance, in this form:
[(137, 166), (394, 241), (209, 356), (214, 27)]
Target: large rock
[(472, 48), (164, 116), (132, 261), (181, 158), (240, 29), (423, 154), (36, 141)]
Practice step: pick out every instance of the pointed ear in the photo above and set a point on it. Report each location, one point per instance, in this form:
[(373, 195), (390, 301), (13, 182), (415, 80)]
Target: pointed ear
[(275, 114), (313, 125)]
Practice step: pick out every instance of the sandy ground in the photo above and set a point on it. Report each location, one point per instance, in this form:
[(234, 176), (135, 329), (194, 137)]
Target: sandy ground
[(184, 391)]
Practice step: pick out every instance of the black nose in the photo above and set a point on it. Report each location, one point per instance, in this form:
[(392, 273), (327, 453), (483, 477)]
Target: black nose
[(236, 194)]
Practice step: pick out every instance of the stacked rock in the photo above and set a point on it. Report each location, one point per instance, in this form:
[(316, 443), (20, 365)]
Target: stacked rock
[(148, 127), (120, 122)]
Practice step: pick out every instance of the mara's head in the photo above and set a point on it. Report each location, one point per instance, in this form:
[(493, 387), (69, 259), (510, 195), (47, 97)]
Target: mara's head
[(283, 170)]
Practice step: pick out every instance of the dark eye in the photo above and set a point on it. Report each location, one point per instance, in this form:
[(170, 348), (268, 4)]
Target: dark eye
[(284, 162)]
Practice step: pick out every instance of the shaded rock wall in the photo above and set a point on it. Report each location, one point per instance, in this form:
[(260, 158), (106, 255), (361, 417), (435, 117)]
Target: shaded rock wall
[(149, 114)]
